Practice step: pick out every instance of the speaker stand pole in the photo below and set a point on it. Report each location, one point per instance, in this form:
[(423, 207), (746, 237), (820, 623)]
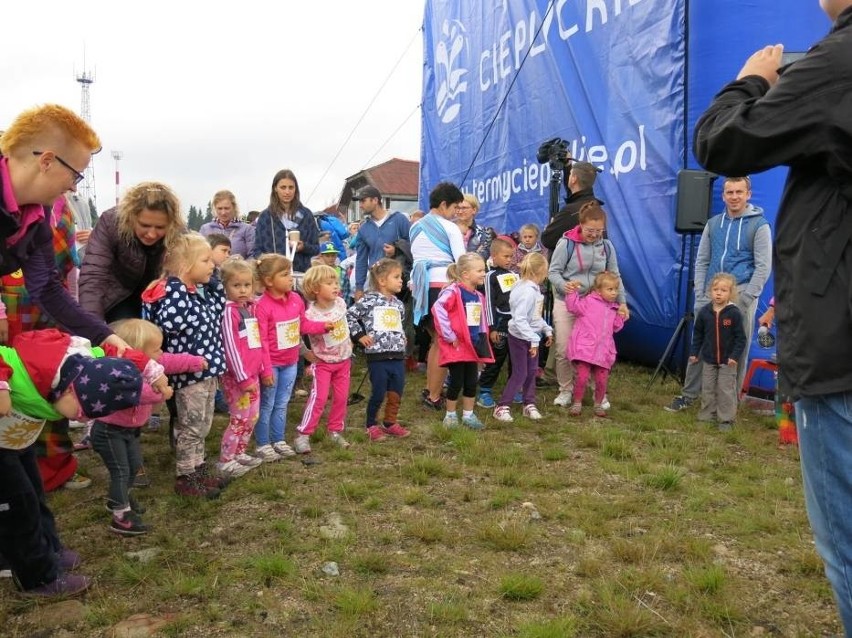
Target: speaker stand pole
[(682, 328)]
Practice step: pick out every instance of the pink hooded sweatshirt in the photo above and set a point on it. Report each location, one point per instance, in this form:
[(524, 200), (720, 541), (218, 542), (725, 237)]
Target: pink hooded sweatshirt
[(591, 339)]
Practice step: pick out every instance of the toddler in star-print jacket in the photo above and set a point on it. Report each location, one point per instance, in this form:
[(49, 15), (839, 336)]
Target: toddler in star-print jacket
[(187, 305)]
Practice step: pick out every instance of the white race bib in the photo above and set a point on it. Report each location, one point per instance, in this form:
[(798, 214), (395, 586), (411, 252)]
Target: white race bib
[(473, 309), (287, 334), (387, 319), (252, 333), (19, 431), (507, 281), (338, 334), (539, 309)]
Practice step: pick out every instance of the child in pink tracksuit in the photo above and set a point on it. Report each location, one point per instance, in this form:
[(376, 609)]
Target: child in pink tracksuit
[(120, 430), (332, 350), (591, 346), (244, 360)]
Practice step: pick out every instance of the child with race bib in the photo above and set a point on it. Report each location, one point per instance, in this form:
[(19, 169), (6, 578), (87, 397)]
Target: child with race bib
[(282, 322), (526, 304), (244, 360), (462, 333), (332, 351), (375, 322)]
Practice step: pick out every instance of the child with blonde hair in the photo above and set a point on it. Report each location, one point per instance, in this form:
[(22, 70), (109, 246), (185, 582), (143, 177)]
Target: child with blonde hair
[(187, 306), (332, 352), (281, 318), (719, 340), (462, 332), (375, 322), (591, 346), (244, 363), (526, 304), (115, 437)]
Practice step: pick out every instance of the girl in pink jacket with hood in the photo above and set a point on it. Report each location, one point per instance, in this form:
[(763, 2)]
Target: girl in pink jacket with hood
[(591, 347)]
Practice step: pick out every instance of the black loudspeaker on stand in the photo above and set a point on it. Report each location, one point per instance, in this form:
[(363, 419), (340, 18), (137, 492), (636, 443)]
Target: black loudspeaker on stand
[(694, 200)]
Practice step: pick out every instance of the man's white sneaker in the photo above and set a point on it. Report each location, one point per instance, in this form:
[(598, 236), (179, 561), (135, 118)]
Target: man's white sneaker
[(531, 412), (267, 454), (502, 413), (564, 399)]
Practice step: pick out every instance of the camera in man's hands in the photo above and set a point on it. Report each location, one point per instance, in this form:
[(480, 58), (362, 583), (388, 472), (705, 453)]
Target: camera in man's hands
[(554, 152)]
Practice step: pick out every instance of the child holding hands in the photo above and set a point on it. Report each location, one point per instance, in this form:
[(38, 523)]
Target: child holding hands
[(333, 351), (591, 346)]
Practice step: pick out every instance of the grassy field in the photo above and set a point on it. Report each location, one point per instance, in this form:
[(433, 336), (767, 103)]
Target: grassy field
[(643, 524)]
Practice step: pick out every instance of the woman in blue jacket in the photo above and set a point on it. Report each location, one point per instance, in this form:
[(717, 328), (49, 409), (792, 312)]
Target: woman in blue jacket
[(285, 213)]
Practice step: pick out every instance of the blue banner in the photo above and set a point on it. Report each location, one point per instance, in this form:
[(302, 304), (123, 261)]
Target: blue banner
[(617, 81), (606, 76)]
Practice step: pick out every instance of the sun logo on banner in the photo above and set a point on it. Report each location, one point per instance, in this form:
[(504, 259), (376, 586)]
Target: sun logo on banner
[(449, 75)]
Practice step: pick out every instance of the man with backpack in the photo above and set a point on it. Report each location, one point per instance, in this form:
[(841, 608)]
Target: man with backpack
[(378, 234), (737, 241)]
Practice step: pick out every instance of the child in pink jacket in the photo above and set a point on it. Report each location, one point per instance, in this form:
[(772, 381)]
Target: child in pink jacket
[(591, 346), (115, 437)]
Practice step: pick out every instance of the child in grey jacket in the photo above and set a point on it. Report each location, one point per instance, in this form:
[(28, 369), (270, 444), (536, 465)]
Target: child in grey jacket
[(525, 329), (375, 322)]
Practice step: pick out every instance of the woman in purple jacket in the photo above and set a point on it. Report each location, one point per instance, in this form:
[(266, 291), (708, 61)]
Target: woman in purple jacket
[(226, 222), (126, 249)]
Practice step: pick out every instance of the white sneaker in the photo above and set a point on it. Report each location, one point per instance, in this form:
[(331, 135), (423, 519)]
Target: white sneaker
[(531, 412), (564, 399), (283, 450), (267, 454), (248, 460), (605, 404), (233, 469), (502, 413), (337, 438), (302, 444)]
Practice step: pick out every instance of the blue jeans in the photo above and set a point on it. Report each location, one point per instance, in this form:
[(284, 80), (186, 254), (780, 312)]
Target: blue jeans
[(274, 400), (122, 454), (387, 379), (825, 444)]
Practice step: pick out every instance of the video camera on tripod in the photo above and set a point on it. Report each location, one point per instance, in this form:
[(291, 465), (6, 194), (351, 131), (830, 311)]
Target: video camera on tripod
[(555, 153)]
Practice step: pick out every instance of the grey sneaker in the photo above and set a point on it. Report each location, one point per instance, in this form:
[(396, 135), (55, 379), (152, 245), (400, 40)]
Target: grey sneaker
[(725, 426), (302, 444), (678, 404), (337, 439), (233, 469), (248, 459), (451, 421), (282, 449), (267, 454)]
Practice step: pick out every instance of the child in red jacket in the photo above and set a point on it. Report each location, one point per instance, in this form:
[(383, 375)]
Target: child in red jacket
[(462, 332)]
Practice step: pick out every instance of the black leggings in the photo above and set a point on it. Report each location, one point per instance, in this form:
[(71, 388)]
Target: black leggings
[(463, 373)]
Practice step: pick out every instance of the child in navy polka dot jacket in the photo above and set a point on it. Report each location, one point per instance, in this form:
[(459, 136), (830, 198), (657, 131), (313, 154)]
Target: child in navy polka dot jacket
[(188, 305)]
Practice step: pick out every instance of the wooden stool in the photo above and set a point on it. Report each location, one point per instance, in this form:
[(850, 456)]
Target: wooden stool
[(754, 366)]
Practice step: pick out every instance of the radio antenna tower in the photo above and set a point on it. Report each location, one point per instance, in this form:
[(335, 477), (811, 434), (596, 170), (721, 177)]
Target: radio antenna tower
[(86, 189)]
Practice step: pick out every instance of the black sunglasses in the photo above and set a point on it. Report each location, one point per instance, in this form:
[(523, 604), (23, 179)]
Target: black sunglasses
[(78, 176)]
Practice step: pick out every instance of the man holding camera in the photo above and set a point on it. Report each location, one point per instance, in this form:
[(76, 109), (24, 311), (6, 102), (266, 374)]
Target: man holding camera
[(798, 116), (579, 183)]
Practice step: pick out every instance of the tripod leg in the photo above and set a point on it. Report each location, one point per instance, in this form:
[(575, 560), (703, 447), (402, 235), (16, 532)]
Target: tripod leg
[(681, 326)]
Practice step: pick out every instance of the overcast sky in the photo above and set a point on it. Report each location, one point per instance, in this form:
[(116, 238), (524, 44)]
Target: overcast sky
[(211, 95)]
